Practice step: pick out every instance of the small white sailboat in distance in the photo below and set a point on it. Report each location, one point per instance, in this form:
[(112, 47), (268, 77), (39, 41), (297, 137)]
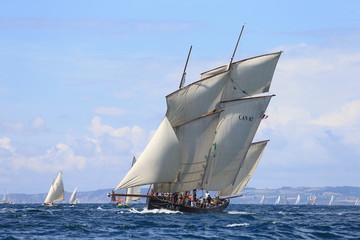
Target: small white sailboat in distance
[(277, 202), (331, 200), (262, 199), (5, 199), (56, 191), (357, 202), (297, 200), (132, 190), (73, 199)]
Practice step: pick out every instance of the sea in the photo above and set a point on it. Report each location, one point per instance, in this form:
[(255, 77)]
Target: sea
[(238, 221)]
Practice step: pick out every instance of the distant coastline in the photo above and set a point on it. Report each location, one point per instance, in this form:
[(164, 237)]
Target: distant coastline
[(343, 195)]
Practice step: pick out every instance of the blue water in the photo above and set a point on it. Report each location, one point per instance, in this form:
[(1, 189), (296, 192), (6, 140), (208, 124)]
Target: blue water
[(104, 221)]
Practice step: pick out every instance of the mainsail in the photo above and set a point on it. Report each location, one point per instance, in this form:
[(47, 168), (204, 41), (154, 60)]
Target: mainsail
[(56, 191), (205, 138)]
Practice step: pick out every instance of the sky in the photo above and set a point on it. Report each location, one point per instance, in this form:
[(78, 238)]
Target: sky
[(83, 85)]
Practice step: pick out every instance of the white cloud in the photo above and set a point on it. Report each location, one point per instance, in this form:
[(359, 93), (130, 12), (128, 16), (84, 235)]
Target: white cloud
[(5, 144), (38, 124), (313, 123), (347, 115), (16, 127), (119, 138), (114, 111)]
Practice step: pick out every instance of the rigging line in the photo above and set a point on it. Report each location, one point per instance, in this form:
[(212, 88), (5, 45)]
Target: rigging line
[(236, 86)]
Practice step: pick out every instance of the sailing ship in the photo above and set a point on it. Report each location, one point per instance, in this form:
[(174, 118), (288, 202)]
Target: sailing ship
[(277, 202), (357, 202), (331, 200), (204, 141), (56, 191), (312, 200), (5, 199), (297, 200), (73, 199), (262, 200)]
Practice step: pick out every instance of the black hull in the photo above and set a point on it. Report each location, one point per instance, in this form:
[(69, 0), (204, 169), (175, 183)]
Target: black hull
[(156, 203)]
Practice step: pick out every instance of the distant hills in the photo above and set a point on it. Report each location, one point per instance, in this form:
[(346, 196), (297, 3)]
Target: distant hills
[(342, 195)]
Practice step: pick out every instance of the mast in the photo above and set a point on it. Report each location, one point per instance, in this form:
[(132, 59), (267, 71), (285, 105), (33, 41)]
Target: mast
[(237, 43), (182, 82)]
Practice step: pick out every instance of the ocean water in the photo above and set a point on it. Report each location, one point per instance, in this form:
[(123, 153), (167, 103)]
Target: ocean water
[(238, 221)]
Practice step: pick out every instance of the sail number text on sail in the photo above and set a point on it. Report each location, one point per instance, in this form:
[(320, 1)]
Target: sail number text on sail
[(245, 118)]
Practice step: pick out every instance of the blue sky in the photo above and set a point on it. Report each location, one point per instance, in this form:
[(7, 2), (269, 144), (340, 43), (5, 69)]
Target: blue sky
[(83, 85)]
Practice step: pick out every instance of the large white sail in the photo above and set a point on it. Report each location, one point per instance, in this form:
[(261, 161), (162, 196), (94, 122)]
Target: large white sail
[(195, 99), (73, 199), (234, 134), (56, 191), (252, 159), (195, 139), (250, 77), (245, 78), (297, 200), (159, 163)]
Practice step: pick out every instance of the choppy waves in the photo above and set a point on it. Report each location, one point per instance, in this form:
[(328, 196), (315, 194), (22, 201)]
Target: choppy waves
[(104, 221)]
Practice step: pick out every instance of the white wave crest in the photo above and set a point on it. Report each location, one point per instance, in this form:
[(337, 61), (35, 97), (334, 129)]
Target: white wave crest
[(238, 225), (238, 212), (154, 211)]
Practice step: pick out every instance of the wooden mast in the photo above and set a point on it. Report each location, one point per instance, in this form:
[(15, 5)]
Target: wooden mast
[(237, 43), (182, 82)]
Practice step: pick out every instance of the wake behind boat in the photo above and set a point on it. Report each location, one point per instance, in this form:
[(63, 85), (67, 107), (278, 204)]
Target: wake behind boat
[(205, 139)]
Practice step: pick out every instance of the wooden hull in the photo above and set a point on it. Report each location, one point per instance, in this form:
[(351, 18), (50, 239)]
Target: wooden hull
[(156, 203)]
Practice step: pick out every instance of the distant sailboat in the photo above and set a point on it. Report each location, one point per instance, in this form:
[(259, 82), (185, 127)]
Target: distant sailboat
[(312, 200), (262, 199), (73, 199), (56, 191), (297, 200), (277, 202), (331, 200), (357, 202), (132, 194), (5, 199), (132, 190)]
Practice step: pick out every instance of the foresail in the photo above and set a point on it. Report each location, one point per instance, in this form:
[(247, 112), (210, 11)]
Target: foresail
[(237, 126), (252, 159), (158, 163), (56, 192)]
